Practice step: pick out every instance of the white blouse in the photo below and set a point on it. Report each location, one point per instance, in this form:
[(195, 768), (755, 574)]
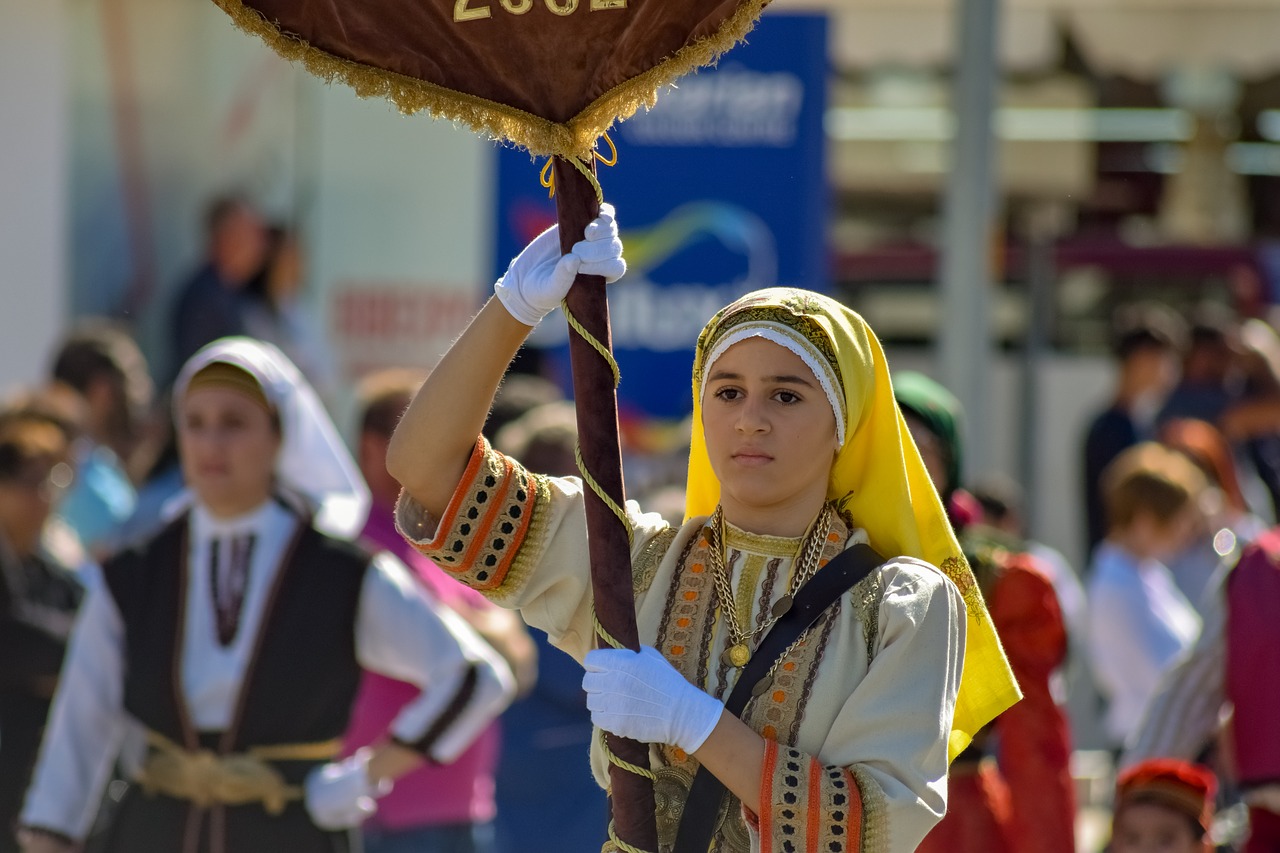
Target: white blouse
[(1138, 624)]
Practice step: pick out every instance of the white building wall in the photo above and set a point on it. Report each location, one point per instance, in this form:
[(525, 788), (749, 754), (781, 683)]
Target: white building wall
[(34, 111)]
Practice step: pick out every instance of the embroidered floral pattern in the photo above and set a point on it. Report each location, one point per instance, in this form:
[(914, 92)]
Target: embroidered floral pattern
[(683, 636), (646, 563), (867, 595), (795, 313), (957, 569)]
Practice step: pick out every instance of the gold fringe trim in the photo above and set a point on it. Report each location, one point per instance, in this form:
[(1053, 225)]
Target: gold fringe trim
[(543, 138)]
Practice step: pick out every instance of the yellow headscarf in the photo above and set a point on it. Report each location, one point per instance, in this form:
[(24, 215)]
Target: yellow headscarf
[(878, 478)]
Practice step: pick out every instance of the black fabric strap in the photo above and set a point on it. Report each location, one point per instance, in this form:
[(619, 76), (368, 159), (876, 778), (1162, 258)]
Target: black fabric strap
[(706, 796)]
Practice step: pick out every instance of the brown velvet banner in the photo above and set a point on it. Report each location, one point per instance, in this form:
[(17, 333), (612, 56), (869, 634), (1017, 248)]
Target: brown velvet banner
[(548, 75)]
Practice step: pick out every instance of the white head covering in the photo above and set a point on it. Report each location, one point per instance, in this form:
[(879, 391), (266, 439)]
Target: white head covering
[(788, 338), (313, 461)]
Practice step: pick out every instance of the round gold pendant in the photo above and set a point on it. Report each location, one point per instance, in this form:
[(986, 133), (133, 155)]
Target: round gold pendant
[(737, 655)]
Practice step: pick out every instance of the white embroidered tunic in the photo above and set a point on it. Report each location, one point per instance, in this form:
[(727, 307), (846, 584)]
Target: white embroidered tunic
[(856, 724)]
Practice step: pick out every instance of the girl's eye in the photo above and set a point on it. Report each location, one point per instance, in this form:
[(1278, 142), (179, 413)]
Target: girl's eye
[(728, 394), (788, 397)]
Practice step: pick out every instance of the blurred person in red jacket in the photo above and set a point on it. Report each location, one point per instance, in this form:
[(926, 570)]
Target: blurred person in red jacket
[(1032, 758)]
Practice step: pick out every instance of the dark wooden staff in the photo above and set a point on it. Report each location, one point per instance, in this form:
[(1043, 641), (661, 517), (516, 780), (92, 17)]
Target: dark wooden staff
[(597, 406)]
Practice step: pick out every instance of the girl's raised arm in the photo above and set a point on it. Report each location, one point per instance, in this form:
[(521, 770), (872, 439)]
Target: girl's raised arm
[(431, 445)]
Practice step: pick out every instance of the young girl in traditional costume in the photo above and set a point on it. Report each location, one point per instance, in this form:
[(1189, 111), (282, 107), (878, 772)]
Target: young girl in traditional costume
[(798, 453), (219, 659)]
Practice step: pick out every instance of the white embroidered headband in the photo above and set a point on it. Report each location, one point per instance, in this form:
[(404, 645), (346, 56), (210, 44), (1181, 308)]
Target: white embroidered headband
[(784, 336)]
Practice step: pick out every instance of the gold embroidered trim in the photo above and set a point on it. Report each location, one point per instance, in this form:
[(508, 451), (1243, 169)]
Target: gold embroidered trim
[(732, 834), (645, 565), (533, 544), (867, 594), (670, 792), (957, 570), (821, 642), (794, 312), (575, 138), (687, 628), (760, 543), (486, 522), (875, 812)]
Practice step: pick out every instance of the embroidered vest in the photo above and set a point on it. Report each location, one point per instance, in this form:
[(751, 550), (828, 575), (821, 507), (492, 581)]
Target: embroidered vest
[(1253, 659), (302, 674)]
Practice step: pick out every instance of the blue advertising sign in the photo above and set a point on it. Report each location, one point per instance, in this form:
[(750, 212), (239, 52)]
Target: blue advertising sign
[(720, 189)]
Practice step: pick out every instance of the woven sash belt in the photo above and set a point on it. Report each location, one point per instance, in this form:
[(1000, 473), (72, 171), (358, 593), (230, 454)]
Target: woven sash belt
[(206, 778)]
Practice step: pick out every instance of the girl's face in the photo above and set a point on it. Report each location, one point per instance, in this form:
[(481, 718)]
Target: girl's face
[(228, 444), (1149, 828), (771, 437)]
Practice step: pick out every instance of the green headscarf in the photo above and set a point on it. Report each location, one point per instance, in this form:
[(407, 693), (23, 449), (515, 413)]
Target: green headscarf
[(940, 412)]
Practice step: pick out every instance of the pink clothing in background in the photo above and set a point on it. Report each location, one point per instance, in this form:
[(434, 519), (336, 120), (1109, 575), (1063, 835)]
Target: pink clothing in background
[(461, 792)]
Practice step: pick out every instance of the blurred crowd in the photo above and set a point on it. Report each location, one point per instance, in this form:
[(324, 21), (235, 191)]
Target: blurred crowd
[(1171, 619)]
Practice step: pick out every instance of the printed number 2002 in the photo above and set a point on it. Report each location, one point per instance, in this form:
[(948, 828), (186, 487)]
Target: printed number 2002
[(463, 10)]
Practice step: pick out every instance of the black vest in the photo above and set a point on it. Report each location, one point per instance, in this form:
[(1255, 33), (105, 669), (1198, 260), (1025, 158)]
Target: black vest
[(299, 686)]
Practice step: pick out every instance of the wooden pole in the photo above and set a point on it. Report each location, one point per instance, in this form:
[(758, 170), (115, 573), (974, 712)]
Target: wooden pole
[(597, 406)]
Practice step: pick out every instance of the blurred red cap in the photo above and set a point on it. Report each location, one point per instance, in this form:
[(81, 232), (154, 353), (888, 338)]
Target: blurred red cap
[(1179, 785)]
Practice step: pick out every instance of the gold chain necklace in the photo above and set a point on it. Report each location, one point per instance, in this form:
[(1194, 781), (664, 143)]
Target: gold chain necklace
[(738, 652)]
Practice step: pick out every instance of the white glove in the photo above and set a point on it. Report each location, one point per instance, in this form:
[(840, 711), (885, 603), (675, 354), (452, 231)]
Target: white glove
[(539, 277), (641, 696), (339, 795)]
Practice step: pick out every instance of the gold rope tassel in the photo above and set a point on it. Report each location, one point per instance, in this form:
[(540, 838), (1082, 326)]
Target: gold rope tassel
[(547, 177)]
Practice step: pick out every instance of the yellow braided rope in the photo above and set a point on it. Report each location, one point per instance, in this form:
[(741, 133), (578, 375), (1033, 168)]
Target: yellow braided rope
[(620, 844), (547, 177), (605, 635), (617, 378), (600, 493), (591, 339), (624, 764)]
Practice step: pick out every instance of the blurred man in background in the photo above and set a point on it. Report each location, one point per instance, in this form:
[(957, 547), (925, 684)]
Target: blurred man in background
[(209, 304), (1146, 343)]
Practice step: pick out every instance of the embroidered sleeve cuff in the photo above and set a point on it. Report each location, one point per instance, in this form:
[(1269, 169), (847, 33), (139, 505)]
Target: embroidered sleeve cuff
[(805, 805), (481, 531), (444, 719)]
